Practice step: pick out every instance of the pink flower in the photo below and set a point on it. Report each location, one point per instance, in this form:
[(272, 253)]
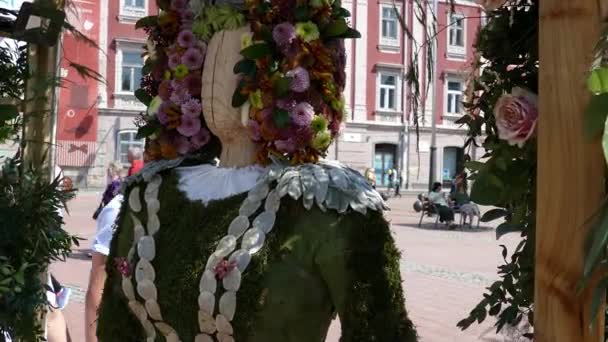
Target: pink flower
[(174, 60), (223, 268), (179, 5), (182, 145), (284, 33), (193, 83), (186, 39), (286, 146), (300, 80), (254, 128), (122, 265), (180, 96), (193, 58), (516, 115), (189, 126), (192, 108), (201, 138), (302, 114)]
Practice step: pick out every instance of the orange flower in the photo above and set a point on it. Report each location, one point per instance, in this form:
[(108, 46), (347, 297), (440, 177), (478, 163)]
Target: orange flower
[(152, 151), (173, 115)]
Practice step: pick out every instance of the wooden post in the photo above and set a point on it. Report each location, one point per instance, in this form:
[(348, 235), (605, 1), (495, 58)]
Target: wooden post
[(570, 171)]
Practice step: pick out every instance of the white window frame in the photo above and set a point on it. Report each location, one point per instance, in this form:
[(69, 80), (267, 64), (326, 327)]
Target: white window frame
[(455, 51), (398, 86), (121, 47), (130, 14), (447, 92), (118, 144), (389, 43)]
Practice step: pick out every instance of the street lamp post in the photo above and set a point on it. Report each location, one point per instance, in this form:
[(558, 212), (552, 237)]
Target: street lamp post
[(433, 148)]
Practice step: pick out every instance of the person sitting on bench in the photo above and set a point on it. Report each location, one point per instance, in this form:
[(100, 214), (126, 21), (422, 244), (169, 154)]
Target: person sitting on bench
[(446, 214)]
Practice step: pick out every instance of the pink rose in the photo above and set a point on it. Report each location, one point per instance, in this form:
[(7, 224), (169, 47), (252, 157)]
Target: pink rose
[(516, 115), (490, 5)]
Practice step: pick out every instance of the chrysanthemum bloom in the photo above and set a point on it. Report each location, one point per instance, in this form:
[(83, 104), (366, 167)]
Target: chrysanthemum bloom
[(321, 140), (186, 39), (164, 90), (180, 96), (254, 128), (319, 123), (284, 33), (255, 98), (175, 60), (302, 114), (182, 145), (189, 126), (192, 107), (307, 31), (300, 79), (201, 138), (181, 71), (168, 115), (193, 59), (286, 146), (246, 40)]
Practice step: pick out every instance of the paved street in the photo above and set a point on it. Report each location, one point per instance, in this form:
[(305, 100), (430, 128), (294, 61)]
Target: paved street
[(444, 272)]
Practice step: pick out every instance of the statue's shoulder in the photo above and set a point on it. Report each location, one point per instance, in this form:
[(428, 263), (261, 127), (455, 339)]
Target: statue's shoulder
[(328, 184), (149, 171)]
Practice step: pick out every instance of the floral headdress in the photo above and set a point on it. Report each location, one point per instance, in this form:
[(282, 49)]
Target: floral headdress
[(171, 86), (293, 76)]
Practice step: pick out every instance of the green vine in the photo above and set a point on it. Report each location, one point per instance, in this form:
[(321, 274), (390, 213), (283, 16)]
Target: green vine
[(508, 47)]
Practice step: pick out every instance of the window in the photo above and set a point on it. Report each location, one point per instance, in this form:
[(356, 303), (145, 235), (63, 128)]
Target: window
[(388, 92), (135, 4), (132, 10), (456, 35), (454, 96), (389, 25), (126, 140), (130, 71), (453, 163)]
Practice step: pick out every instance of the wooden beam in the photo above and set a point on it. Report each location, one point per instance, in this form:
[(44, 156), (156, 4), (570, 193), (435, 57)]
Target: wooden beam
[(570, 171)]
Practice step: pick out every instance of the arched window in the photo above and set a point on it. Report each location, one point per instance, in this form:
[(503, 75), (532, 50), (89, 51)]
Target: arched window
[(124, 140)]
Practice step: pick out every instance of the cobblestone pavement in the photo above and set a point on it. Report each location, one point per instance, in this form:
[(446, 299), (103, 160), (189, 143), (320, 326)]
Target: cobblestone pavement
[(444, 272)]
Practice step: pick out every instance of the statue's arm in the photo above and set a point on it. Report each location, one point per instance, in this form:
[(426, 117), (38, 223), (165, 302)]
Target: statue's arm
[(116, 322), (360, 264)]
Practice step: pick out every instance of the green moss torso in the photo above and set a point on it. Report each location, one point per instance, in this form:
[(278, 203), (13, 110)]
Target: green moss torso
[(313, 265)]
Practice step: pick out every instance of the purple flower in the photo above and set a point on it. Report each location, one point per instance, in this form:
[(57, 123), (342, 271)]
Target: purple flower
[(180, 96), (162, 116), (192, 108), (223, 268), (286, 104), (182, 145), (187, 20), (302, 114), (186, 39), (284, 33), (286, 146), (164, 90), (178, 5), (300, 80), (174, 60), (189, 126), (201, 138), (193, 58), (122, 265), (254, 128)]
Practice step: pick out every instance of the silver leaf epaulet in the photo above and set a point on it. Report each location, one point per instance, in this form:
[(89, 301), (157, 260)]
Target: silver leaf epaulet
[(329, 184)]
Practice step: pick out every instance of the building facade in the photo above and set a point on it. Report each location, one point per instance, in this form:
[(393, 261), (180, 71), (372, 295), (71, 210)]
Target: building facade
[(96, 120), (380, 133)]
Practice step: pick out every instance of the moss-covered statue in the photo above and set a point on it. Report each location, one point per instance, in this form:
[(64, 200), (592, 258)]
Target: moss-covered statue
[(272, 244)]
